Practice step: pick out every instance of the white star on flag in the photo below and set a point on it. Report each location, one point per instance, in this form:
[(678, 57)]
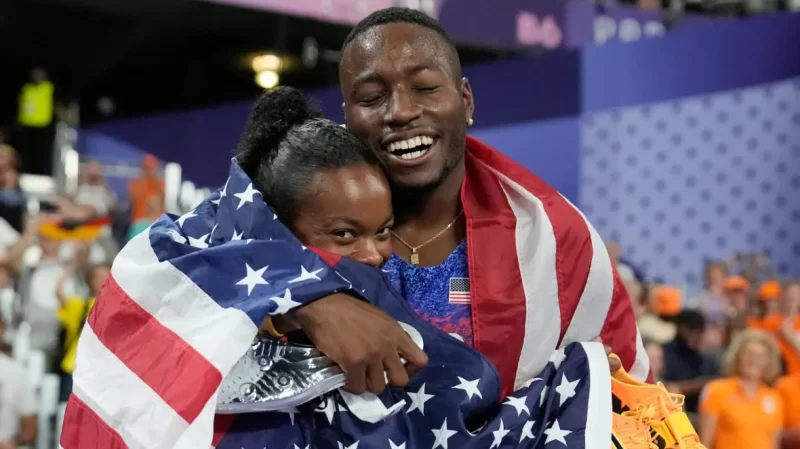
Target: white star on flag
[(527, 431), (246, 196), (543, 396), (305, 275), (236, 236), (499, 434), (180, 221), (442, 435), (352, 446), (284, 303), (557, 357), (396, 446), (253, 278), (566, 389), (530, 382), (176, 236), (554, 433), (222, 193), (519, 404), (199, 242), (470, 386), (211, 234), (296, 447), (418, 400)]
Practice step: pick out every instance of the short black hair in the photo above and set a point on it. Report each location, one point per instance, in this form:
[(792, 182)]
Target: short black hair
[(690, 319), (398, 15), (287, 141)]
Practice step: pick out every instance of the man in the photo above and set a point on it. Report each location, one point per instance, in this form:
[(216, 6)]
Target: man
[(36, 120), (686, 369), (17, 403), (405, 97)]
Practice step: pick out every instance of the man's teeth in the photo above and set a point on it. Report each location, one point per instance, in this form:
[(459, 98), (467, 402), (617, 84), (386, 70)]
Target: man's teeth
[(411, 143), (412, 155)]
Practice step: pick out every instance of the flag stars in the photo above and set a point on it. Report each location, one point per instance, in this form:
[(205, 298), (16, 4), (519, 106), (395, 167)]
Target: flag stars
[(253, 278), (442, 435), (469, 386), (246, 196), (305, 275), (555, 433), (566, 389), (284, 303), (396, 446), (236, 236), (222, 193), (200, 242), (352, 446), (558, 357), (519, 404), (499, 434), (180, 221), (418, 400), (527, 431)]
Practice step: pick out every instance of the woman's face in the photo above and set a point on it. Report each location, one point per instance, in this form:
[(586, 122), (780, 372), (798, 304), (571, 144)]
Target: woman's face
[(348, 211), (753, 360)]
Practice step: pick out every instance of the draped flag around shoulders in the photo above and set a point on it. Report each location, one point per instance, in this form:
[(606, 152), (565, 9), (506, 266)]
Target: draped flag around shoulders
[(185, 299)]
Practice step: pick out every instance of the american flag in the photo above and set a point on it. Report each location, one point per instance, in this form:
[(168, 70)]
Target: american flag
[(459, 291), (185, 299)]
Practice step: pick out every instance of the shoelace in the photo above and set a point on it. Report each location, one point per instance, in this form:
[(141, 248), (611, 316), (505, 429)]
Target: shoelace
[(653, 414), (631, 436)]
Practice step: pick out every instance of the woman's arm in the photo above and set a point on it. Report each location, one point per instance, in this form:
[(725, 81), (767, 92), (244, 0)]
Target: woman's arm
[(707, 428)]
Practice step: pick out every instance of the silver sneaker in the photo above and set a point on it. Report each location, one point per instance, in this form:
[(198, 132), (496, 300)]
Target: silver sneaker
[(274, 375)]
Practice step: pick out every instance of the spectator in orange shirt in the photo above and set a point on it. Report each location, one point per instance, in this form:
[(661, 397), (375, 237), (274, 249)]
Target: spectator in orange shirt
[(143, 192), (741, 410), (782, 319)]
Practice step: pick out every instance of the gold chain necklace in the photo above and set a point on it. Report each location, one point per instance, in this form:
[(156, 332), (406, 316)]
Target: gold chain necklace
[(414, 258)]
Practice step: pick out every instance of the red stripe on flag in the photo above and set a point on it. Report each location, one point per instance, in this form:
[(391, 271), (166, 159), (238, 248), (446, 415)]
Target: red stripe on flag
[(619, 329), (222, 424), (83, 429), (498, 298), (492, 237), (330, 258), (181, 376)]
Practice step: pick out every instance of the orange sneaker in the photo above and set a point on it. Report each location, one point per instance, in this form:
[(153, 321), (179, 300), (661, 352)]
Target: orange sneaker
[(627, 432), (657, 408)]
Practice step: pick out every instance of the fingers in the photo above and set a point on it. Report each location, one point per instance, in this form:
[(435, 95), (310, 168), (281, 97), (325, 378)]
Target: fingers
[(411, 352), (356, 379), (376, 378), (396, 372)]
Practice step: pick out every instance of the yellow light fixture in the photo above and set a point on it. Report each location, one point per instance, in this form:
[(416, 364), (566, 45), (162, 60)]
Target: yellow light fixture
[(267, 79), (265, 62)]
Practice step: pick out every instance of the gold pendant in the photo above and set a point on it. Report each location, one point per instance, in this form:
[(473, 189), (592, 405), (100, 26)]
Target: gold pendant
[(414, 259)]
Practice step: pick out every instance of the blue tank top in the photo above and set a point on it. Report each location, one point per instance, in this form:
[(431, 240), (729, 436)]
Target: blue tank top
[(440, 294)]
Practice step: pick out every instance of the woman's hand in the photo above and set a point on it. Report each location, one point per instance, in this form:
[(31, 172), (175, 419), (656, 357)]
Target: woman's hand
[(614, 363), (363, 340)]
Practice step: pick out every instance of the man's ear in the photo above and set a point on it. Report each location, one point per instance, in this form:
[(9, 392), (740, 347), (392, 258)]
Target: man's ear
[(468, 99)]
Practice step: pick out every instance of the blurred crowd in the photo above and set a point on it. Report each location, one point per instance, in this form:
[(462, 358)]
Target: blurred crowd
[(55, 255), (732, 351)]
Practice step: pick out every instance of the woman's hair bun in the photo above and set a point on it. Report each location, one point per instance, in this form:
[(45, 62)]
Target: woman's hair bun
[(276, 111)]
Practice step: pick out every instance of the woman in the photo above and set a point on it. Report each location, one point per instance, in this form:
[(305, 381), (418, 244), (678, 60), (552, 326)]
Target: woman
[(742, 410)]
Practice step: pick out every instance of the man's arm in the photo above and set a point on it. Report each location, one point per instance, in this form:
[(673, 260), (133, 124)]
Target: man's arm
[(622, 335)]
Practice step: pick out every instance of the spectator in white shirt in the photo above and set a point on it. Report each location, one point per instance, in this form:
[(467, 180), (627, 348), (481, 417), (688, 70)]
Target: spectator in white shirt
[(17, 403)]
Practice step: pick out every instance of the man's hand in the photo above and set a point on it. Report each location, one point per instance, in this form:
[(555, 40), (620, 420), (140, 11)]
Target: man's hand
[(363, 340), (614, 363)]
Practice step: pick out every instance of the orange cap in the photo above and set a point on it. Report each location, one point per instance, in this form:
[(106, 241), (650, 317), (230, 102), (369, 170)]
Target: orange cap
[(667, 301), (736, 283), (770, 290)]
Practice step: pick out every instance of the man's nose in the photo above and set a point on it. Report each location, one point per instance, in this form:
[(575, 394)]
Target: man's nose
[(403, 109)]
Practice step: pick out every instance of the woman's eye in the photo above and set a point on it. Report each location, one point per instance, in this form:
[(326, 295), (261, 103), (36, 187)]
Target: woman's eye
[(344, 234), (385, 232)]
